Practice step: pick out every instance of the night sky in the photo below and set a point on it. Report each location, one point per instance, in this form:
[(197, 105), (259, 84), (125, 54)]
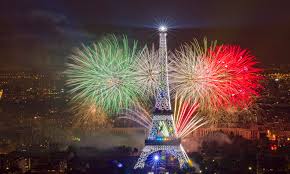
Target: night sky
[(41, 33)]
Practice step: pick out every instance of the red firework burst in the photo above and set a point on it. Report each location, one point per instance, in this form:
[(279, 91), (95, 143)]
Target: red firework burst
[(237, 77), (217, 77)]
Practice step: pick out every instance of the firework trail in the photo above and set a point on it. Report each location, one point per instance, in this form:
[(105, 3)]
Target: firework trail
[(139, 114), (147, 70), (215, 76), (103, 74), (186, 119)]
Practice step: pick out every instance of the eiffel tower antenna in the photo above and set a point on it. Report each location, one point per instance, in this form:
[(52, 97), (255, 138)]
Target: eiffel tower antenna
[(162, 135)]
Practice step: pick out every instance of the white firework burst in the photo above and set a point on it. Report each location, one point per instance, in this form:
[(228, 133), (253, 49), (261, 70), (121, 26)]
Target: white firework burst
[(147, 70), (193, 76)]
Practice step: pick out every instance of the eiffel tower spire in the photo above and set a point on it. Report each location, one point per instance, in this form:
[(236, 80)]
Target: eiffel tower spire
[(163, 97)]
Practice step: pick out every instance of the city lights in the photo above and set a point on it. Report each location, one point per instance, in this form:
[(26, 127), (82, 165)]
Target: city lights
[(120, 165), (1, 93)]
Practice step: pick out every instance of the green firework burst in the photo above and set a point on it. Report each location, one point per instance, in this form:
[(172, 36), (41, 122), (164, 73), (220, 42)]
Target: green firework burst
[(103, 74)]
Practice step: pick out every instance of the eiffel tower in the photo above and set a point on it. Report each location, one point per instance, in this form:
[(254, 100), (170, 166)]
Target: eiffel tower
[(162, 136)]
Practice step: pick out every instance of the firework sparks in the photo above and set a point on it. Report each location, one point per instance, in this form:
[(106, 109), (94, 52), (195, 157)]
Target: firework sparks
[(215, 76), (147, 70), (89, 116), (103, 74), (190, 73), (241, 78), (138, 114), (186, 119)]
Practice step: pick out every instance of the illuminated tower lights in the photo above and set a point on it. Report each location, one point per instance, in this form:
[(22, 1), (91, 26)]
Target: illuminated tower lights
[(162, 135)]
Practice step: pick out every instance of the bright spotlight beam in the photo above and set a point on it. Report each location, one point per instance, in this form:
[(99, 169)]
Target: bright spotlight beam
[(156, 157), (162, 28)]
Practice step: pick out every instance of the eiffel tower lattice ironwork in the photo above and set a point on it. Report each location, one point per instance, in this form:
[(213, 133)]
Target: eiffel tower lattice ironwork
[(162, 136)]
